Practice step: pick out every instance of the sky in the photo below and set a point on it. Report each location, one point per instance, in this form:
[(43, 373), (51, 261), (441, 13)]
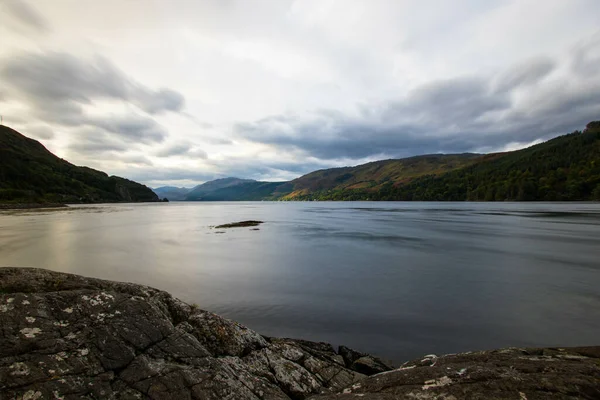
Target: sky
[(178, 92)]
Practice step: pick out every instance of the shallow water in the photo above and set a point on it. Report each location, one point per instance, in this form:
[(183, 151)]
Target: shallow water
[(396, 279)]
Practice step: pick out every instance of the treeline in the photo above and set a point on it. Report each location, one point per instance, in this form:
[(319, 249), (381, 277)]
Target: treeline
[(566, 168)]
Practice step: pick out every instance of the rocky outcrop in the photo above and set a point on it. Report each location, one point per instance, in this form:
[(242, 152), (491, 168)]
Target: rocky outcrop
[(519, 374), (64, 336)]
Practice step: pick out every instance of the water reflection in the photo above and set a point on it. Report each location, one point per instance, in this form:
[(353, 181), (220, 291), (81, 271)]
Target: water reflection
[(396, 279)]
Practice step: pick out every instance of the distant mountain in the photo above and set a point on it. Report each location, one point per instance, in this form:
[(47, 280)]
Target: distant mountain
[(203, 191), (29, 173), (249, 191), (171, 192)]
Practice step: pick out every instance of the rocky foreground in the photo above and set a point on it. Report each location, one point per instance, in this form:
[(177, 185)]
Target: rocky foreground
[(65, 336)]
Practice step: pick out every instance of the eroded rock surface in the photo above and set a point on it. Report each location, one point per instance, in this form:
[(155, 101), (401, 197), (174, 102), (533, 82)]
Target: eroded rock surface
[(65, 336), (517, 374)]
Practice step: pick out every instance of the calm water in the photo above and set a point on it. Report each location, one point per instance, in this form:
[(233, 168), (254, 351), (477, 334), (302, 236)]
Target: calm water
[(396, 279)]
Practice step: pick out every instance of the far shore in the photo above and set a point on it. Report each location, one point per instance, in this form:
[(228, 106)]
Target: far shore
[(26, 206)]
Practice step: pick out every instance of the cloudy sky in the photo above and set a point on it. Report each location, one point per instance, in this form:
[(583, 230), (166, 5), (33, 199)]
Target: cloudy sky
[(179, 92)]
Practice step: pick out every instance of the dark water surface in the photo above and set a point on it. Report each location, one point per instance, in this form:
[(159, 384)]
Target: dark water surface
[(396, 279)]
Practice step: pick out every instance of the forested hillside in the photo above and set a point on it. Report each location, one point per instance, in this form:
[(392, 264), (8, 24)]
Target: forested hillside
[(30, 173)]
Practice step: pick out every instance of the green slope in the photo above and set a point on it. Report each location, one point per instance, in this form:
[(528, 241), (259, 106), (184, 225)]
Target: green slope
[(371, 177), (566, 168), (29, 173)]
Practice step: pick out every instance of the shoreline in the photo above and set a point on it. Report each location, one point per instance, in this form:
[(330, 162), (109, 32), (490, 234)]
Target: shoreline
[(27, 206), (65, 334)]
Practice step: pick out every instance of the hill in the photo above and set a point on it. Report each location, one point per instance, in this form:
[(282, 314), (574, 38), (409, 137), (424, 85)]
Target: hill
[(249, 191), (203, 191), (372, 177), (29, 173), (566, 168), (171, 192)]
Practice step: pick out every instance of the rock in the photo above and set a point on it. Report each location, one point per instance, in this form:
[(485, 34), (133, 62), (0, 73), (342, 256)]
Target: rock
[(349, 355), (67, 336), (361, 362), (520, 374), (241, 224)]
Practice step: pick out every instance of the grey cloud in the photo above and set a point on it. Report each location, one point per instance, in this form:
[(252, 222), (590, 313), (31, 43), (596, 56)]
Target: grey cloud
[(92, 141), (156, 102), (449, 101), (182, 149), (98, 147), (131, 127), (438, 117), (134, 128), (60, 77), (174, 150), (349, 139), (57, 85), (450, 116), (40, 132), (218, 141), (525, 74), (26, 14), (136, 160), (586, 58), (197, 153)]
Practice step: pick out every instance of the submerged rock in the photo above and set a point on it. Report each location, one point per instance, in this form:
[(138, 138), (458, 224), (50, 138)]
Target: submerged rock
[(69, 337), (241, 224)]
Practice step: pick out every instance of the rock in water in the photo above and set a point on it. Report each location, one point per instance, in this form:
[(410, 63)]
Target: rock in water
[(69, 337), (241, 224)]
